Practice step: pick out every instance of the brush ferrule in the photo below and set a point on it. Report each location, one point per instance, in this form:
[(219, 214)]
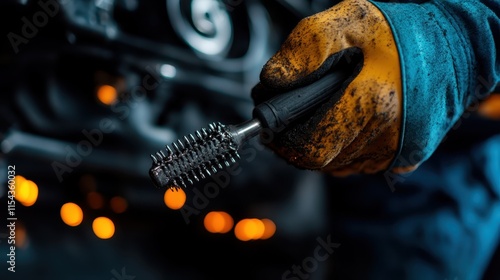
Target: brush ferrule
[(244, 131)]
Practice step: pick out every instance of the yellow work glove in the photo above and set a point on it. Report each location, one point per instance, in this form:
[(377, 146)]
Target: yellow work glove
[(359, 133)]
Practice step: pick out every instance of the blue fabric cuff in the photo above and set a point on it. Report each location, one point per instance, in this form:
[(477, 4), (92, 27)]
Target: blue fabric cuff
[(448, 62)]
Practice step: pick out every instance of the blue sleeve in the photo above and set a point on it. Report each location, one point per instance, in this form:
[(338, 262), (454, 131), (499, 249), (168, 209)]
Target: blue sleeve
[(449, 62)]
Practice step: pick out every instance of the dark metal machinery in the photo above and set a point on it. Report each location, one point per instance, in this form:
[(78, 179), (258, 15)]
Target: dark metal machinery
[(176, 66)]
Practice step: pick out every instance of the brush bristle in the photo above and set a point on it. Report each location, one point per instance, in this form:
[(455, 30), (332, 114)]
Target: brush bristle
[(194, 158)]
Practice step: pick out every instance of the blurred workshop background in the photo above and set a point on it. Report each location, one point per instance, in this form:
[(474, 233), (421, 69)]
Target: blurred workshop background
[(89, 89)]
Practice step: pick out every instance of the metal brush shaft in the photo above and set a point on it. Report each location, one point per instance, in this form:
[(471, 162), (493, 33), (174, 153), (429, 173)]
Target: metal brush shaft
[(244, 131), (204, 153)]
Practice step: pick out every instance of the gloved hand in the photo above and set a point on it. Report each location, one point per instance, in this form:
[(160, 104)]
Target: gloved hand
[(424, 63), (360, 133)]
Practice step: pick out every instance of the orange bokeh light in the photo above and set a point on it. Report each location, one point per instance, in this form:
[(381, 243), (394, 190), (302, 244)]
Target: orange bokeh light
[(269, 228), (218, 222), (118, 204), (19, 179), (228, 222), (257, 229), (71, 214), (95, 200), (490, 108), (103, 227), (240, 230), (107, 94), (21, 236), (252, 229), (249, 229), (174, 198), (26, 191)]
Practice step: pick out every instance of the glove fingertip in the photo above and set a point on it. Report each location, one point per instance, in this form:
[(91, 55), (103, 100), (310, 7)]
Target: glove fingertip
[(276, 75)]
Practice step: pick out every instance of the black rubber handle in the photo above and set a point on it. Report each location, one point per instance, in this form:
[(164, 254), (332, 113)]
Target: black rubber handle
[(281, 110)]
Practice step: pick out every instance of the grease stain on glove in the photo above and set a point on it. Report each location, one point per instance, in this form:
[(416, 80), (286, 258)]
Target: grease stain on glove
[(361, 132)]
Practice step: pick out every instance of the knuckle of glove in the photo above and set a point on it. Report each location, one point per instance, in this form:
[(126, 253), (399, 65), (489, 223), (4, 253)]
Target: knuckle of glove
[(360, 132), (301, 54), (315, 39)]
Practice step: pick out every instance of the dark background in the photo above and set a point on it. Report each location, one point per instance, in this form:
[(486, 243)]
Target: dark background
[(48, 83)]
